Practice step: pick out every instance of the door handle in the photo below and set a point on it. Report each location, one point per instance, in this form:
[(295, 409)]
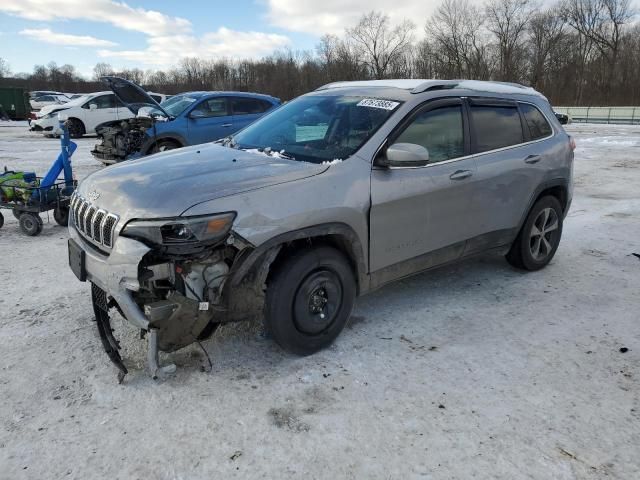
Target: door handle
[(460, 174), (225, 125), (531, 159)]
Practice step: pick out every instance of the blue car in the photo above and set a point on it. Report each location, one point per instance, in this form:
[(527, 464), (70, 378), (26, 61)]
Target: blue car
[(186, 119)]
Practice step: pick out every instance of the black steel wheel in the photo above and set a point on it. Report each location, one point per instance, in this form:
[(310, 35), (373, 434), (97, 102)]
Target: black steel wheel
[(31, 223), (309, 299), (61, 216), (539, 237)]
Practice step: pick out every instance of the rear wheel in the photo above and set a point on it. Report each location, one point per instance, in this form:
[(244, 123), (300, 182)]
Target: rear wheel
[(31, 223), (539, 238), (76, 128), (61, 216), (309, 299)]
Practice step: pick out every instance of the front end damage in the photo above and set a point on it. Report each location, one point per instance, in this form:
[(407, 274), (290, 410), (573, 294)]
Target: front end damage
[(174, 296), (121, 139)]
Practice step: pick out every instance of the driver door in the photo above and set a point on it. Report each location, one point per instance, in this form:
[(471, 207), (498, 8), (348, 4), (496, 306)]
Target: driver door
[(420, 216), (210, 120)]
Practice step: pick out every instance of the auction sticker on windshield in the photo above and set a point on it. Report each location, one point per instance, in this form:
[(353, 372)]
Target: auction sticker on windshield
[(377, 103)]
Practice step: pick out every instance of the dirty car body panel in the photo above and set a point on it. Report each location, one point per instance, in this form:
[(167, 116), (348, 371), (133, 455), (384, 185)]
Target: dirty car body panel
[(195, 232)]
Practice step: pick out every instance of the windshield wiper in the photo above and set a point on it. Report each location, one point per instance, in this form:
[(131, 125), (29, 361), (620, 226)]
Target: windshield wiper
[(227, 142)]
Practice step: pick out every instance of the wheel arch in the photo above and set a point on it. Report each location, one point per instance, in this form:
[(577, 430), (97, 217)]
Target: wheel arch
[(76, 119), (177, 139), (338, 235), (557, 188)]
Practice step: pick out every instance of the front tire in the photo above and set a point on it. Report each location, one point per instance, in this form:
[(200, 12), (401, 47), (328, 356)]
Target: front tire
[(164, 145), (539, 237), (309, 299), (61, 216), (76, 128), (31, 223)]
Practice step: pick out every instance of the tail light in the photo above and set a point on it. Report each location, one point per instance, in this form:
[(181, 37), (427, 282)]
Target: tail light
[(572, 143)]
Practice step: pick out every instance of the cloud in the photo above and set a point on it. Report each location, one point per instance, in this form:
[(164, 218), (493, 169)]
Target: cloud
[(332, 16), (166, 50), (46, 35), (119, 14)]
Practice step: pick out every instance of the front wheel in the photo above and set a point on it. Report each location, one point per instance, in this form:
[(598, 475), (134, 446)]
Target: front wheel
[(309, 299), (76, 128), (539, 238), (164, 145)]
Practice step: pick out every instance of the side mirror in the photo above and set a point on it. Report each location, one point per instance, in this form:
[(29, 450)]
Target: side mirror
[(197, 114), (93, 106), (406, 155)]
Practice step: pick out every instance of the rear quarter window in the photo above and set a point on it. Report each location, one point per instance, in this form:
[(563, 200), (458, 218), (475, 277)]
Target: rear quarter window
[(496, 126), (536, 121)]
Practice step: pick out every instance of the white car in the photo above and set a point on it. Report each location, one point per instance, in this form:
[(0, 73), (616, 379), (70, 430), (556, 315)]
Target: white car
[(84, 114), (42, 101)]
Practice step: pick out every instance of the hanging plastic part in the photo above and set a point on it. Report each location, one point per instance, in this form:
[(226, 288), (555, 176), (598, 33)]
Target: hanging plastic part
[(110, 344)]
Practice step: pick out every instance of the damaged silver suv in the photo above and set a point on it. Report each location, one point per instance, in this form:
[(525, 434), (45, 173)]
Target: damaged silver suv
[(328, 197)]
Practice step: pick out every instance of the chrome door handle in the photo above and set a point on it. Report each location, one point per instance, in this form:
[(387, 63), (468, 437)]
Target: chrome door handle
[(225, 125), (531, 159), (460, 174)]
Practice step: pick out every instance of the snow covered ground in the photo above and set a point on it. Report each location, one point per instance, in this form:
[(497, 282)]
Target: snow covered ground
[(471, 371)]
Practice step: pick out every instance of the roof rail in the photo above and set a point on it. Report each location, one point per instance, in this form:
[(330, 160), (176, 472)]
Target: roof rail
[(423, 85)]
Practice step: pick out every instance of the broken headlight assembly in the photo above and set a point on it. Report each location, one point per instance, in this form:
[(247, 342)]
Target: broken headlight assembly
[(181, 233)]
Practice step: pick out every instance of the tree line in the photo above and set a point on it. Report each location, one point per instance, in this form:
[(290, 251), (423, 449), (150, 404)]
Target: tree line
[(576, 52)]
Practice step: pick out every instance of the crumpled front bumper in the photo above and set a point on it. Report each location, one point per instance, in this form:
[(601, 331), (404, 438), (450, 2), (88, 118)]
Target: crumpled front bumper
[(116, 273)]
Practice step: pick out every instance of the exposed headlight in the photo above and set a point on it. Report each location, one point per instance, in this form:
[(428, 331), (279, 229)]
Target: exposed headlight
[(207, 229)]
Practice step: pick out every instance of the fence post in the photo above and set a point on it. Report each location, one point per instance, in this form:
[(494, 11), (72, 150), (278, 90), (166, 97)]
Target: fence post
[(633, 116)]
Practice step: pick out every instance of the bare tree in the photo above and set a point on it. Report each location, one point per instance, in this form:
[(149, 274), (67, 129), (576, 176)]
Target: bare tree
[(101, 69), (377, 43), (455, 30), (546, 30), (508, 20)]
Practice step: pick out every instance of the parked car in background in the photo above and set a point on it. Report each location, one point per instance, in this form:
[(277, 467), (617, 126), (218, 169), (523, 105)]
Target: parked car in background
[(330, 196), (186, 119), (41, 101), (37, 93), (84, 114), (563, 118)]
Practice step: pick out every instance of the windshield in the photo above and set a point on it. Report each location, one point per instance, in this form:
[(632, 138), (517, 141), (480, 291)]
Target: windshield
[(317, 128), (177, 104)]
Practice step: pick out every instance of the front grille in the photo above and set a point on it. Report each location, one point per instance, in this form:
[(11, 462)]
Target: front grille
[(95, 224)]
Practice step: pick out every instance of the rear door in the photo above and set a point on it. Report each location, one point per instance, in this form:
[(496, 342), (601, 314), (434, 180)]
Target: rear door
[(511, 166), (209, 120), (424, 210), (247, 110)]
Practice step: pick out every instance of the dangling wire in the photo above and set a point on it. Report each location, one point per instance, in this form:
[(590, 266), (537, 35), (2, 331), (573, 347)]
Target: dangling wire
[(206, 355)]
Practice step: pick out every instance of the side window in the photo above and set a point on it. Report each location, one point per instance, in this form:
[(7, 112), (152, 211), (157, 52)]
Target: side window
[(537, 123), (213, 107), (103, 101), (440, 131), (247, 106), (496, 126)]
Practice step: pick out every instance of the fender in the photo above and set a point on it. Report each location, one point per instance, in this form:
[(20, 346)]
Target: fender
[(256, 256), (556, 182)]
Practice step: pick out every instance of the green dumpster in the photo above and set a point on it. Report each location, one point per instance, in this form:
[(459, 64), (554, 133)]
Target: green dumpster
[(14, 103)]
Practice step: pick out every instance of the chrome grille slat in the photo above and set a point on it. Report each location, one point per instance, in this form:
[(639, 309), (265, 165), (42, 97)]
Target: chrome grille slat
[(95, 224)]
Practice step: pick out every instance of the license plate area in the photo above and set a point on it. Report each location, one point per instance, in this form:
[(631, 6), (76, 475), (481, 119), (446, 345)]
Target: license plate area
[(77, 260)]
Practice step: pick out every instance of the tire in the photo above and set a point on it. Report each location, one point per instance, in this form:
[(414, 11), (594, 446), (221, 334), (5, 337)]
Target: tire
[(31, 223), (1, 220), (539, 237), (61, 216), (163, 146), (16, 213), (309, 300), (76, 128)]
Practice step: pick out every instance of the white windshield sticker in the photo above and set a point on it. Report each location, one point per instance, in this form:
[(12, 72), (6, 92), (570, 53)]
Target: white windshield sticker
[(376, 103)]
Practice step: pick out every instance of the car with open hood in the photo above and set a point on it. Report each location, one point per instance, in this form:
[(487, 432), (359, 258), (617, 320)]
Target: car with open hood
[(189, 118), (330, 196), (83, 113)]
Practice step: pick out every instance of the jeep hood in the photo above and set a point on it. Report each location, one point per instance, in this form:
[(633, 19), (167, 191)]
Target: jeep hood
[(169, 183), (133, 96)]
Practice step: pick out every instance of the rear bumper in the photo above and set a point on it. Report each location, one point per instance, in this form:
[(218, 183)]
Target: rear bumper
[(117, 273)]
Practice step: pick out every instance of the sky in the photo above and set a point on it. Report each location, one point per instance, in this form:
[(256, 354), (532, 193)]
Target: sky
[(157, 34)]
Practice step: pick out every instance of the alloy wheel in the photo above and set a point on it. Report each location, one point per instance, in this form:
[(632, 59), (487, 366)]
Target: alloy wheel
[(544, 234)]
